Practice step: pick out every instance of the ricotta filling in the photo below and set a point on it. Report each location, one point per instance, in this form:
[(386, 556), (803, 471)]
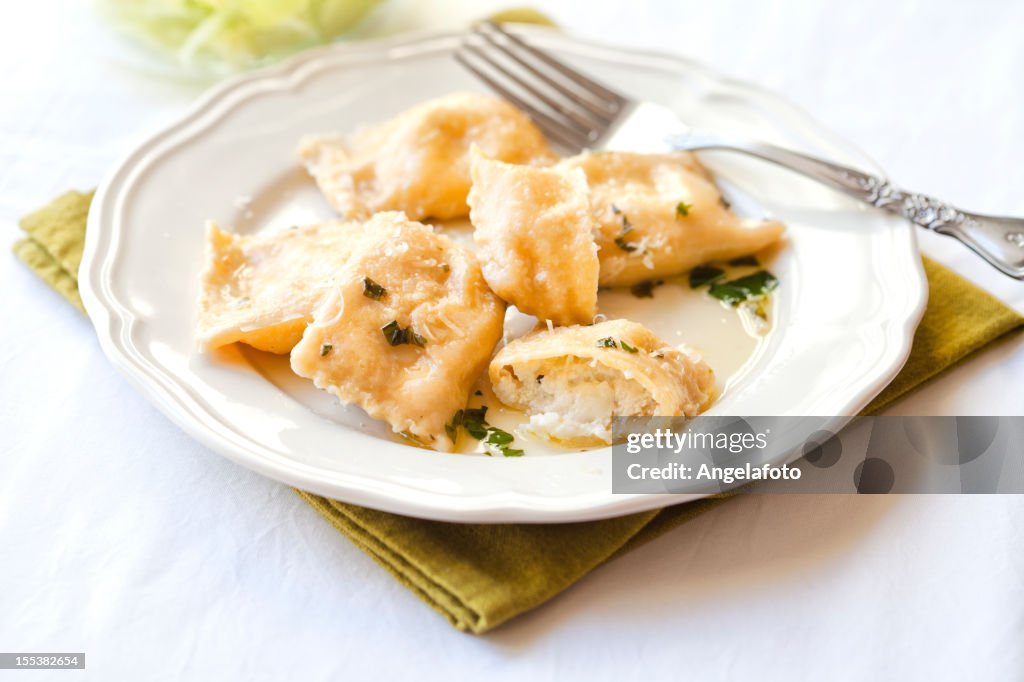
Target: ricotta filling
[(576, 399)]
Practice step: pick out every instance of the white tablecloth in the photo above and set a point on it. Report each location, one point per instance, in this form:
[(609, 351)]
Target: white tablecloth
[(121, 537)]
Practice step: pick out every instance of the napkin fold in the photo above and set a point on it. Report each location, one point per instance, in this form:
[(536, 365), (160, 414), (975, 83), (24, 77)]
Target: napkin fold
[(477, 575)]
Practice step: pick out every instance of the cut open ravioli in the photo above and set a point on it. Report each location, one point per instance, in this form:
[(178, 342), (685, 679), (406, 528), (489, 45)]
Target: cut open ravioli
[(261, 289), (661, 214), (573, 380), (418, 162), (407, 329), (534, 237)]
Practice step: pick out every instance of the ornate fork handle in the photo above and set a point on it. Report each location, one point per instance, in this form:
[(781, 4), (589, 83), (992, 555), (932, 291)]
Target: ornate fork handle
[(999, 240)]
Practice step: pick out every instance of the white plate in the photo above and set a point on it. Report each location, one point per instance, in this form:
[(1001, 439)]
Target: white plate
[(852, 288)]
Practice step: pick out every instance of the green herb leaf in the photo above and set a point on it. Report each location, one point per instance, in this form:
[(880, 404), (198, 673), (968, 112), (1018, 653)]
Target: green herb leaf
[(626, 347), (683, 209), (396, 336), (624, 245), (325, 349), (738, 290), (627, 227), (645, 289), (496, 436), (744, 260), (728, 293), (394, 333), (704, 274), (475, 422), (499, 440), (373, 290), (452, 427), (607, 342)]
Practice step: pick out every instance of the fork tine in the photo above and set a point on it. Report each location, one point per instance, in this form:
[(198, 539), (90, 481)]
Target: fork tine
[(611, 99), (600, 114), (581, 121), (565, 135)]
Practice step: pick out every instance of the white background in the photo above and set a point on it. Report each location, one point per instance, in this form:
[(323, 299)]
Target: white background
[(121, 537)]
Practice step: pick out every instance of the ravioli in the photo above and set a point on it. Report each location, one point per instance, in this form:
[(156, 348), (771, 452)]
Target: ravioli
[(406, 329), (261, 289), (661, 214), (573, 380), (534, 236), (418, 162)]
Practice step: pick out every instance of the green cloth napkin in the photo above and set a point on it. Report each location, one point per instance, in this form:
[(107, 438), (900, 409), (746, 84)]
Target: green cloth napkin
[(479, 576)]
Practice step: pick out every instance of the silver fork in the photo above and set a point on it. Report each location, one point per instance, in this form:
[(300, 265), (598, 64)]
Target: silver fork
[(577, 112)]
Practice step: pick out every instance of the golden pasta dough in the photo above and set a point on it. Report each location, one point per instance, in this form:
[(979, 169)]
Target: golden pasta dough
[(406, 330), (261, 289), (534, 237), (660, 214), (418, 162)]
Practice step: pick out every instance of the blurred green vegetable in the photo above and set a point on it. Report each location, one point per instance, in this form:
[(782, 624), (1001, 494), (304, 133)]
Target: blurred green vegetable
[(226, 35)]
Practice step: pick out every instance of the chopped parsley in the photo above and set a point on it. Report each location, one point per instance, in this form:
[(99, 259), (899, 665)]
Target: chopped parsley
[(496, 436), (474, 420), (624, 245), (704, 274), (325, 349), (746, 288), (396, 336), (683, 209), (609, 342), (645, 289), (501, 441), (627, 227), (744, 260), (510, 451), (452, 427), (373, 290)]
